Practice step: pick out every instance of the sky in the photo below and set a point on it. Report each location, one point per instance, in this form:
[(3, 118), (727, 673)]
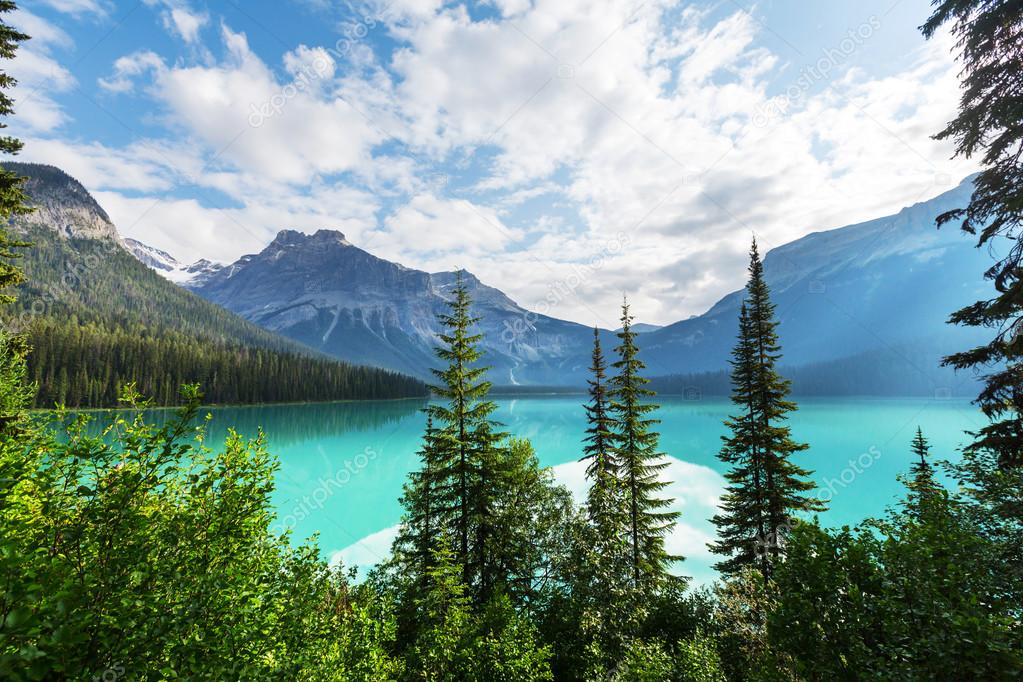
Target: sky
[(568, 152)]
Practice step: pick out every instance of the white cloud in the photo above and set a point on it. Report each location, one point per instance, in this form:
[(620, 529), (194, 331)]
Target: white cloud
[(432, 225), (180, 19), (578, 125), (41, 78), (185, 23), (77, 7), (128, 68), (245, 117)]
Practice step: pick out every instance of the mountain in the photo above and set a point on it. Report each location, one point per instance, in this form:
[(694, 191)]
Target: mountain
[(882, 290), (168, 266), (643, 328), (323, 291), (98, 319), (851, 301)]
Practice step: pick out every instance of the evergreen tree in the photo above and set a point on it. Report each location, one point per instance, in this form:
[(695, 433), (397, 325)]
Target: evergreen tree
[(988, 39), (12, 202), (639, 463), (742, 524), (785, 482), (766, 489), (608, 599), (601, 468), (12, 199), (921, 483), (466, 446)]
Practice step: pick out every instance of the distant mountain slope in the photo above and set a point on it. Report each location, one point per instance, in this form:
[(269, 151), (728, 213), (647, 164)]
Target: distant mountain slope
[(100, 318), (323, 291), (884, 286)]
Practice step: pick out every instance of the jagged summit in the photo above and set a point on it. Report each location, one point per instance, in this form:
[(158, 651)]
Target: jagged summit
[(289, 238)]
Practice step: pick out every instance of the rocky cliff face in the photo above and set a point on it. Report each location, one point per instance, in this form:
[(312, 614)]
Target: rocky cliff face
[(329, 294), (62, 204)]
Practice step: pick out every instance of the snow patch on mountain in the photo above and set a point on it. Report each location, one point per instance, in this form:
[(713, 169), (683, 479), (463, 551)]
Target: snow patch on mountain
[(170, 267)]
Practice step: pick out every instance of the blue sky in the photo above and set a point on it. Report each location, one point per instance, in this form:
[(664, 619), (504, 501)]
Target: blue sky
[(566, 151)]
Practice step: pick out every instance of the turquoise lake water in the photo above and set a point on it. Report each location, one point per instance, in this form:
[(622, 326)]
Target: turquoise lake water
[(343, 464)]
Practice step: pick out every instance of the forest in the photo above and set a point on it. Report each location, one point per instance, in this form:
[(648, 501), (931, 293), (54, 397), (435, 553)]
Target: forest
[(99, 321), (146, 552)]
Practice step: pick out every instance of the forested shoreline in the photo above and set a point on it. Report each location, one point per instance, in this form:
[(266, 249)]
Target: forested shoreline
[(99, 321)]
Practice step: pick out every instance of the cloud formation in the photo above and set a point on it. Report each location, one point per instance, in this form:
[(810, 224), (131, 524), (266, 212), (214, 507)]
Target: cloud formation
[(515, 142)]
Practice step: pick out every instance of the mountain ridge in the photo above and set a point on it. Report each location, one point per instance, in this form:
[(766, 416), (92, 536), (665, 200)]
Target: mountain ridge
[(880, 286)]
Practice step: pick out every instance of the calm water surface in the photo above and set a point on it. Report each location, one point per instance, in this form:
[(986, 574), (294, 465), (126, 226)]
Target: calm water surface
[(343, 464)]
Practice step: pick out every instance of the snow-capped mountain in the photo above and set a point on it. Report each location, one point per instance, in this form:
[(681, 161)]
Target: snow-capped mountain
[(339, 299), (168, 266)]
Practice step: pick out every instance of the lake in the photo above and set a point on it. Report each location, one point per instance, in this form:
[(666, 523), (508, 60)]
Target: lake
[(343, 464)]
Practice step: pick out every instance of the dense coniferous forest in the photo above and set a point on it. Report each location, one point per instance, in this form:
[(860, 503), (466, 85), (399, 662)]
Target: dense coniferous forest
[(87, 366), (100, 320), (149, 553)]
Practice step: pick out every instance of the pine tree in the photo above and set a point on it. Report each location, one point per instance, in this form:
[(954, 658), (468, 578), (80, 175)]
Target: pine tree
[(13, 201), (766, 488), (742, 523), (12, 198), (988, 37), (466, 445), (639, 463), (921, 483), (13, 348), (785, 482), (604, 589), (601, 468)]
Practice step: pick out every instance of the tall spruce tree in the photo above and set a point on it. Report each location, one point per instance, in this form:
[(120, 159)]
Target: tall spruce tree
[(13, 202), (988, 36), (766, 488), (742, 523), (598, 453), (921, 474), (466, 442), (639, 463), (604, 577), (12, 199)]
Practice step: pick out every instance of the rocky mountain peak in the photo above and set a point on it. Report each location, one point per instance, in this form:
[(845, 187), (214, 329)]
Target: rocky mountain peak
[(320, 238), (62, 203)]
